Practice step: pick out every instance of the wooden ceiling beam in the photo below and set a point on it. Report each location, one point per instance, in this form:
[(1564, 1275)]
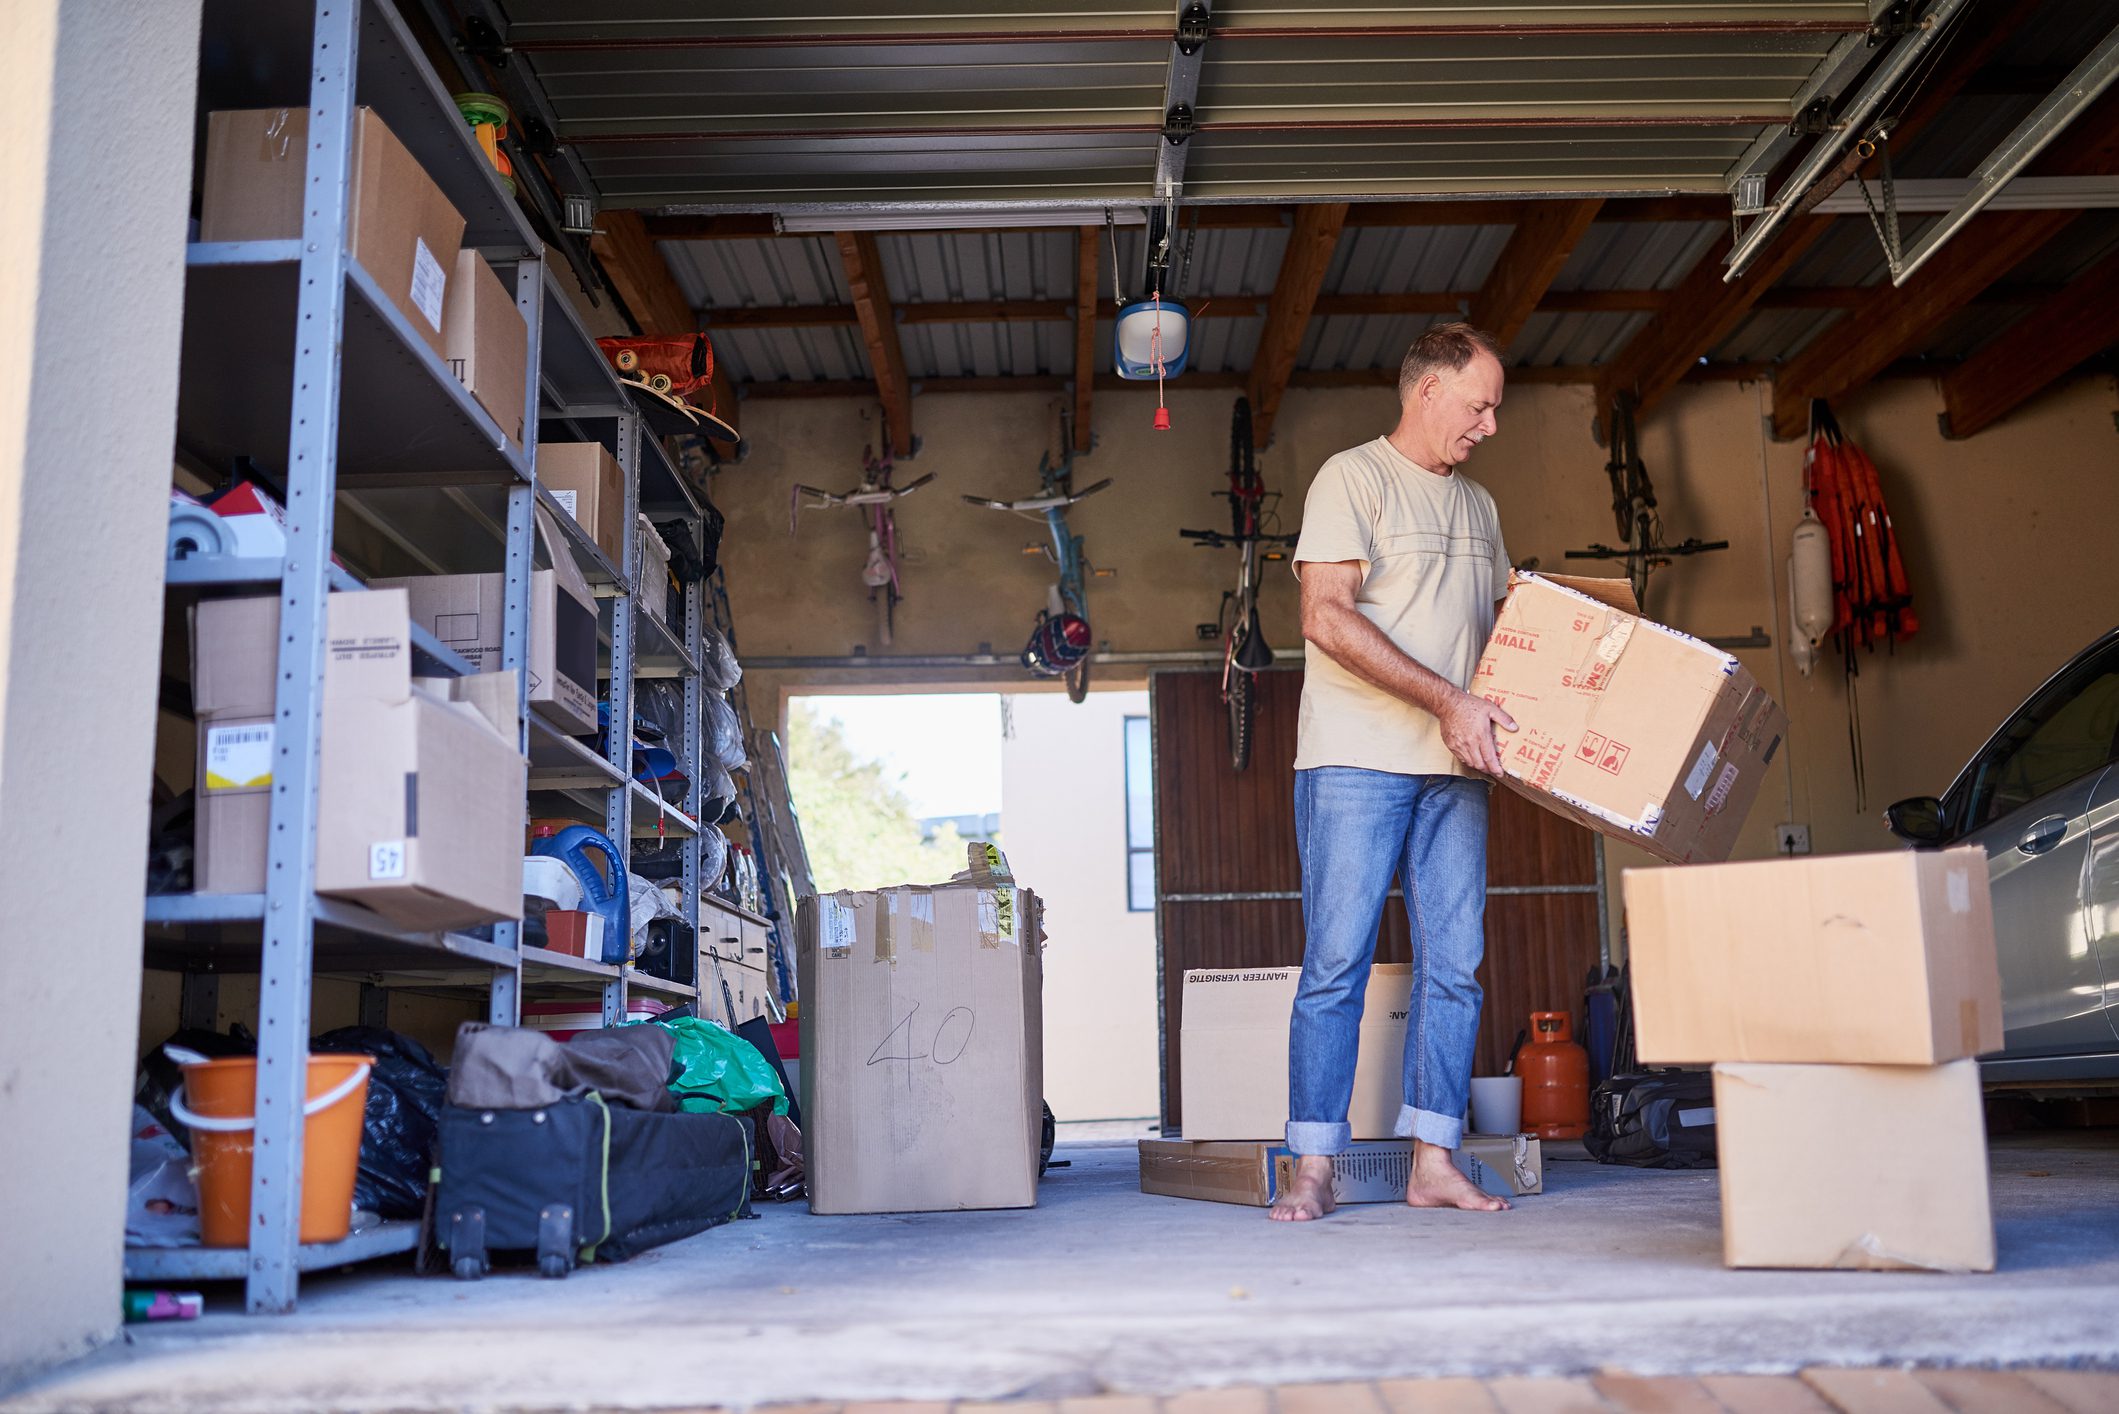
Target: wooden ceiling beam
[(1230, 378), (2073, 325), (1704, 310), (641, 279), (1088, 243), (1537, 249), (1311, 242), (879, 331)]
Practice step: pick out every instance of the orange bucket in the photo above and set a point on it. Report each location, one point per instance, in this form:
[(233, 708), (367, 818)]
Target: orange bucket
[(216, 1108)]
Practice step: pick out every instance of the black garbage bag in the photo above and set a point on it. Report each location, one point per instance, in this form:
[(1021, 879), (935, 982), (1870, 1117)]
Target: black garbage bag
[(405, 1095), (159, 1077)]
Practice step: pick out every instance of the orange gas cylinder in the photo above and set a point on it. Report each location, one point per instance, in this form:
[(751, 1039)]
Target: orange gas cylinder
[(1555, 1075)]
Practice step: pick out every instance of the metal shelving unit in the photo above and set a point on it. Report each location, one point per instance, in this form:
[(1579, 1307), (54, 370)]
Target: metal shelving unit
[(363, 418)]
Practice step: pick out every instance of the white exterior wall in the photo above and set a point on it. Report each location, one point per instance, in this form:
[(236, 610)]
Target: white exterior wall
[(1063, 823)]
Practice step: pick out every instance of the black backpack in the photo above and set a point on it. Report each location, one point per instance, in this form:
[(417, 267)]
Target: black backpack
[(1651, 1119)]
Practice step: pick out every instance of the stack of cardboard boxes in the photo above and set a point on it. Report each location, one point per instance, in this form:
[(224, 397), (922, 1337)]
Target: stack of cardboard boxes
[(1841, 1001)]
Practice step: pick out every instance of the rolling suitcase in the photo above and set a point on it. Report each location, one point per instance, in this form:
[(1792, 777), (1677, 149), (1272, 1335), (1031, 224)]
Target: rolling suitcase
[(582, 1181)]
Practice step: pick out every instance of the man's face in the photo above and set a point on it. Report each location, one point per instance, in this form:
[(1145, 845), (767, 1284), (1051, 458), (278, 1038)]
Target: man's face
[(1459, 409)]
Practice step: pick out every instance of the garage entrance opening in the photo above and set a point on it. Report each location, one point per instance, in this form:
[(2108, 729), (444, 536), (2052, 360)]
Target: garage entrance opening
[(890, 785)]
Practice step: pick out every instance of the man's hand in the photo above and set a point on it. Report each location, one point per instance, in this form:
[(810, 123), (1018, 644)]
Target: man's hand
[(1468, 731)]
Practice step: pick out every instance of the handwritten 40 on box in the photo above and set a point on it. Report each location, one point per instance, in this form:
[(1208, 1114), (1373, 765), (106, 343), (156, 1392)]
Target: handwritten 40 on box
[(1633, 729), (922, 1044)]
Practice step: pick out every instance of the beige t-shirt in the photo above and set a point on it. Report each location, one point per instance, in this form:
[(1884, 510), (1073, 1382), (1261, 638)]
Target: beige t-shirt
[(1432, 568)]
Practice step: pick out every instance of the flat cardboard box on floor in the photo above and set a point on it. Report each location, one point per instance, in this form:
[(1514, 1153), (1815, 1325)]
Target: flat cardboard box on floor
[(486, 341), (1255, 1173), (1631, 728), (420, 789), (590, 486), (922, 1045), (1877, 1167), (1867, 959), (403, 230), (467, 612), (1234, 1052)]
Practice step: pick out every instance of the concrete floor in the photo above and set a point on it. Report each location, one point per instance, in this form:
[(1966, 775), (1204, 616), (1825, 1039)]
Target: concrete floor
[(1101, 1288)]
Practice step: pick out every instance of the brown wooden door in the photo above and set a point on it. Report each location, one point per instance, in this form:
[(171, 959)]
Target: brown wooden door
[(1229, 884)]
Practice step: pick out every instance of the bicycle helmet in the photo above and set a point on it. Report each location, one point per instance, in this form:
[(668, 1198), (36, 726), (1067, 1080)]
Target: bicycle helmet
[(1057, 643)]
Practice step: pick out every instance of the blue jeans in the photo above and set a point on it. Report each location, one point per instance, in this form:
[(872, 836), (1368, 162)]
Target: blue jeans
[(1355, 829)]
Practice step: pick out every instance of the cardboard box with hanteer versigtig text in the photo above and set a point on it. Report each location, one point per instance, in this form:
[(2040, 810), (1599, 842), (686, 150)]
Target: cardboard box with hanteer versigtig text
[(1865, 959), (1257, 1172), (403, 230), (1867, 1166), (1636, 730), (467, 613), (1233, 1037), (420, 791), (922, 1044)]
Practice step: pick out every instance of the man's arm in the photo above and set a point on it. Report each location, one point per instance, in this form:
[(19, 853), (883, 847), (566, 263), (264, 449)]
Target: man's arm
[(1330, 620)]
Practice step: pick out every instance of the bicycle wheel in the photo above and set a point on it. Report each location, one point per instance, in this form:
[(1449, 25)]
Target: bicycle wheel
[(1243, 466), (1078, 679), (886, 602), (1243, 708)]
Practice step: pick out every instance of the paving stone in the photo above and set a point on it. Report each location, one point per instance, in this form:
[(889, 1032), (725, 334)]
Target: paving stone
[(1437, 1396), (1989, 1392), (1327, 1399), (1547, 1396), (1109, 1404), (1764, 1394), (1240, 1399), (2081, 1391), (1875, 1391), (1667, 1394)]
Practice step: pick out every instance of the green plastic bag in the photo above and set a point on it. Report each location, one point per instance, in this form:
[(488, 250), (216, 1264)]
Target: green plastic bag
[(715, 1071)]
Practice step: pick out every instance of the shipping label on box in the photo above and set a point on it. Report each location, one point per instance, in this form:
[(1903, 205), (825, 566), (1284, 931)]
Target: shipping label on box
[(1626, 726), (237, 757), (1883, 959)]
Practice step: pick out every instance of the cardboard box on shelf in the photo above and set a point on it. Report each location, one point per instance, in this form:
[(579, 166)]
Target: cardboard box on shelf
[(922, 1045), (1234, 1040), (1868, 1166), (403, 231), (1255, 1173), (467, 613), (486, 341), (420, 788), (1880, 959), (1631, 728), (589, 486)]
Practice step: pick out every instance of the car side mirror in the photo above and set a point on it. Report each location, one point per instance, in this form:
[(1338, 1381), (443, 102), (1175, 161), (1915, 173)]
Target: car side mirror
[(1917, 820)]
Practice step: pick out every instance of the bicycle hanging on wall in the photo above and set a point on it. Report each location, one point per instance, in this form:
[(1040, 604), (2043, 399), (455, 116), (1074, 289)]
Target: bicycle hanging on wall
[(875, 496), (1633, 508), (1060, 641), (1245, 652)]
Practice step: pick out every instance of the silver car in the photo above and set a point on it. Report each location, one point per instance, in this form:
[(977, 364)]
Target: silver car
[(2042, 799)]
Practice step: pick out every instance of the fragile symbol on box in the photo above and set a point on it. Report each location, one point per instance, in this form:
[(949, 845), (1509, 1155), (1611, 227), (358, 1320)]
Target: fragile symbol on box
[(1614, 758), (1592, 747)]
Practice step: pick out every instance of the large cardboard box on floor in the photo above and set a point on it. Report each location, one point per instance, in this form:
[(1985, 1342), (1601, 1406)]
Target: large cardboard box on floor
[(1875, 959), (421, 786), (1234, 1052), (922, 1045), (1256, 1173), (1870, 1166), (589, 485), (486, 341), (404, 231), (467, 612), (1626, 726)]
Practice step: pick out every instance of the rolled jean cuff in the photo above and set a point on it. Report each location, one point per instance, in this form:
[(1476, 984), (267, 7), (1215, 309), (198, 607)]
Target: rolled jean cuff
[(1319, 1138), (1442, 1131)]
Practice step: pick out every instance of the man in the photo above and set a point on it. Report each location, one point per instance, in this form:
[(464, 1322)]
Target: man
[(1402, 571)]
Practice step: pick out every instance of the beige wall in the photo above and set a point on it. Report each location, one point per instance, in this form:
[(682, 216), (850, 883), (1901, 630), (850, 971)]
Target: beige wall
[(84, 475), (1063, 814), (1993, 528)]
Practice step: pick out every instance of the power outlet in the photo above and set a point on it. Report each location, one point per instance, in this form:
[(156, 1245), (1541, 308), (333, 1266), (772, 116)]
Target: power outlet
[(1791, 839)]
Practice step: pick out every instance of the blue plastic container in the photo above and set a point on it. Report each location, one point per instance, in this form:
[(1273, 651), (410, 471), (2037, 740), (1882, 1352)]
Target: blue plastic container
[(604, 891)]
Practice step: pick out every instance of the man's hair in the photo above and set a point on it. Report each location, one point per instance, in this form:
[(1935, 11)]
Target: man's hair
[(1444, 346)]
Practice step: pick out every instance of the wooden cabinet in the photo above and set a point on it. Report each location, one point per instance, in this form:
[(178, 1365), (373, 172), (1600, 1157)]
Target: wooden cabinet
[(732, 952)]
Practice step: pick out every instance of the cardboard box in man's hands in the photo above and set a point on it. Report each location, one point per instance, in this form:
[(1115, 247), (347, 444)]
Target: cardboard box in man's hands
[(1631, 728)]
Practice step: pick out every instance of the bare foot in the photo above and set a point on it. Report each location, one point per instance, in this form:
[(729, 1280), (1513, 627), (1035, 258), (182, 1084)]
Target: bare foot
[(1311, 1194), (1437, 1182)]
